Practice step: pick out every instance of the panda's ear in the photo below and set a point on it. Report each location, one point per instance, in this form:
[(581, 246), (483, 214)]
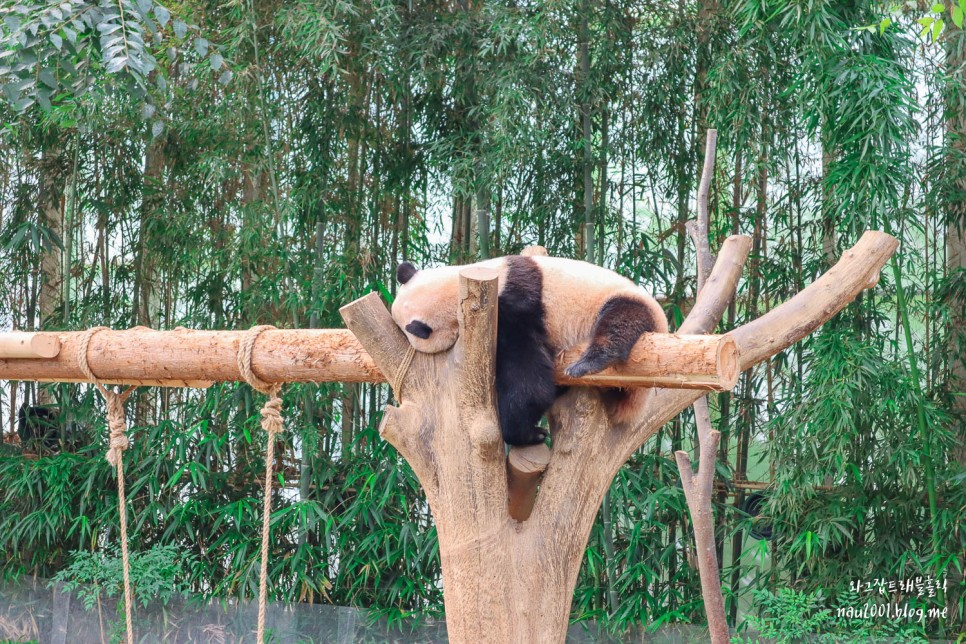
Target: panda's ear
[(405, 272)]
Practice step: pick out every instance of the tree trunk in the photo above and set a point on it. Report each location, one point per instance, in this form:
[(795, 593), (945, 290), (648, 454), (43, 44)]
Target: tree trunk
[(50, 204), (583, 90), (150, 240), (956, 231)]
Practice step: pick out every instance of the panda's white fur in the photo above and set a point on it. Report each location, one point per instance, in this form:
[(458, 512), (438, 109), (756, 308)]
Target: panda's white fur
[(556, 302)]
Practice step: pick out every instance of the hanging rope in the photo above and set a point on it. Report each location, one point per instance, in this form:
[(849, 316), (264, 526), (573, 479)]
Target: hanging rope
[(117, 443), (397, 381), (272, 424)]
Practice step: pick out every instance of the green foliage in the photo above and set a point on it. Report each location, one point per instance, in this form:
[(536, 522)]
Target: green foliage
[(790, 616), (157, 574)]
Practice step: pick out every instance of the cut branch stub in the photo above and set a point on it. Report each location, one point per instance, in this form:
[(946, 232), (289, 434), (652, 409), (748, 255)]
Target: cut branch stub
[(477, 313), (20, 344), (524, 467)]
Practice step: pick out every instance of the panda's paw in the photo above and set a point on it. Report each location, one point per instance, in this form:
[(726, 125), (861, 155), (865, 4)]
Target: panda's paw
[(581, 368), (538, 436)]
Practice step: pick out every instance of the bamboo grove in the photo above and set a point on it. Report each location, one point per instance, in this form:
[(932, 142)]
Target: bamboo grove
[(221, 165)]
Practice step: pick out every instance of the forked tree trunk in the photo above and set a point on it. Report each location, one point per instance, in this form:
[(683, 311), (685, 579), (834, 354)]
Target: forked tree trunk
[(506, 580)]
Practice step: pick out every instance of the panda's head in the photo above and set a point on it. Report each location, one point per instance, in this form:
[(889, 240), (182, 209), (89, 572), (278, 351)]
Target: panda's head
[(425, 306)]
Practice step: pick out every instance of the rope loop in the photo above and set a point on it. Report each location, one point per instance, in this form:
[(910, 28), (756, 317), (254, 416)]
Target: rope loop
[(400, 376), (117, 443), (273, 424), (245, 361)]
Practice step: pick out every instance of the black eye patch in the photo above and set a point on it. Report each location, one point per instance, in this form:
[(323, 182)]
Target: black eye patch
[(419, 329)]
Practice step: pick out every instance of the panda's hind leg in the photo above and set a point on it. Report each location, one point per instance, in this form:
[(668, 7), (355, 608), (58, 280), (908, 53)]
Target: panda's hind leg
[(524, 391), (619, 325)]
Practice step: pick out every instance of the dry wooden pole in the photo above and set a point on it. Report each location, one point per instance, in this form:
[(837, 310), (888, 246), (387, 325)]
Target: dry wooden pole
[(184, 358), (20, 344), (510, 581)]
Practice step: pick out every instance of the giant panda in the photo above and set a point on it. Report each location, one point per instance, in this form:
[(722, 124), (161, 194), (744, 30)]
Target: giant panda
[(547, 305)]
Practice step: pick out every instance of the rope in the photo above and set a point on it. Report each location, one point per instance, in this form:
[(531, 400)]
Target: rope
[(272, 424), (117, 443), (397, 381)]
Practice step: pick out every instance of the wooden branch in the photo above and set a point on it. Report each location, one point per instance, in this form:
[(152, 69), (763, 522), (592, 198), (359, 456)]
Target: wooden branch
[(719, 289), (525, 467), (172, 358), (778, 329), (145, 355), (373, 327), (783, 326), (386, 346), (175, 383), (699, 232), (19, 344), (708, 362), (697, 490)]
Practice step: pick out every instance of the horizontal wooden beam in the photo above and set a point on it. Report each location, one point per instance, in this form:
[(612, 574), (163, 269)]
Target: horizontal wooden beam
[(21, 344), (667, 360), (185, 358)]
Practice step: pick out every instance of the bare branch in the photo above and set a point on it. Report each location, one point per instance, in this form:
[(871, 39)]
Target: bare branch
[(698, 490), (719, 289), (700, 234)]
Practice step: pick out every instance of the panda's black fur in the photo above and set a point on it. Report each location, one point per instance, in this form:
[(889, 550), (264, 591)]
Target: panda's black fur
[(525, 352), (525, 389)]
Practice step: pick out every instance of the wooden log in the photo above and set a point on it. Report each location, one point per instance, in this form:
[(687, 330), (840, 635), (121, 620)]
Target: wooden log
[(148, 357), (666, 360), (139, 382), (20, 344), (524, 468)]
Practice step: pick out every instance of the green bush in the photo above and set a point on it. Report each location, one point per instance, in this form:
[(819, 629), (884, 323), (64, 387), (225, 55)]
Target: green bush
[(156, 574)]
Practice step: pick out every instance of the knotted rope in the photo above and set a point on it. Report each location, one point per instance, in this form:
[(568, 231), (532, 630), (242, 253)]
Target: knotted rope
[(397, 381), (272, 424), (118, 442)]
